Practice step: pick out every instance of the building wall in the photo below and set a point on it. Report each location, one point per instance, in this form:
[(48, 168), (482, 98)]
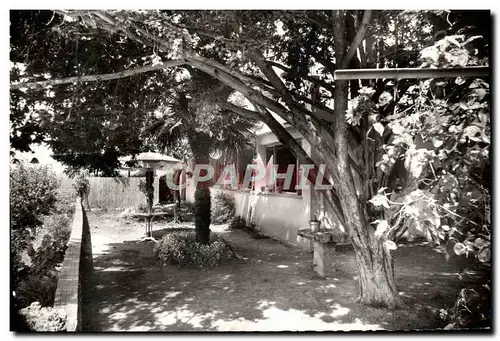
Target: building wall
[(280, 215)]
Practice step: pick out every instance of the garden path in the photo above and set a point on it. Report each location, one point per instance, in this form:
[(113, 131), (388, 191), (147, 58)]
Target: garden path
[(273, 288)]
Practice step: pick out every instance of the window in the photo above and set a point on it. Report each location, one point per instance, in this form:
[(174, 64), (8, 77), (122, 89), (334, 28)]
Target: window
[(283, 157)]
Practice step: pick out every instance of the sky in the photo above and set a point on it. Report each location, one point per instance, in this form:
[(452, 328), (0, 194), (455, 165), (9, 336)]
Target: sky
[(43, 154)]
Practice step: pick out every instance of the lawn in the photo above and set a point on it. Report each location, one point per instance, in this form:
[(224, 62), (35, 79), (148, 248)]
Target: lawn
[(272, 288)]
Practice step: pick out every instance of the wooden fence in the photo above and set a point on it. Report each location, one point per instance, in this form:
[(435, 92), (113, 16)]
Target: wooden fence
[(115, 193)]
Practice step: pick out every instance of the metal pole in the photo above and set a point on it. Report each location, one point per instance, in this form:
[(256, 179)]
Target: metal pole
[(472, 71)]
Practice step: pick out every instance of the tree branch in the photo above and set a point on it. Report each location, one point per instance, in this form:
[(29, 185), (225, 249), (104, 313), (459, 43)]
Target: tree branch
[(357, 39), (97, 78), (312, 79), (287, 140), (199, 62), (241, 111)]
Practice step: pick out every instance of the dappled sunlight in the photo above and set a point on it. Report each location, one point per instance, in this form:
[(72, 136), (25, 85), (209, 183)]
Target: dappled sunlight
[(272, 287), (115, 268), (100, 249), (220, 228), (275, 319), (183, 315)]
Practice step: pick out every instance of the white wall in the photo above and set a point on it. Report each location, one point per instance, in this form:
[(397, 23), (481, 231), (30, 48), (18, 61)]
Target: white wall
[(276, 215), (279, 215)]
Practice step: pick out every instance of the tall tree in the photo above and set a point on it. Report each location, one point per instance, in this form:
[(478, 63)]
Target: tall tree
[(191, 114), (276, 59)]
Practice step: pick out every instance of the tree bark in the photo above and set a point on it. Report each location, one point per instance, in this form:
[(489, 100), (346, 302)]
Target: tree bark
[(199, 143), (376, 277), (97, 78)]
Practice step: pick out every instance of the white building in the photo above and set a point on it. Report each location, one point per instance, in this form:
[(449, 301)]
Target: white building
[(279, 215)]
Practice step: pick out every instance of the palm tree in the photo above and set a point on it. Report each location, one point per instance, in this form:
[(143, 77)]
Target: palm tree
[(191, 115)]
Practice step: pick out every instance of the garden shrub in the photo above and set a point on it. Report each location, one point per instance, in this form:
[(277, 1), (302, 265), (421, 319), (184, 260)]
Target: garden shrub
[(82, 186), (186, 212), (33, 195), (181, 248), (223, 208), (37, 287), (41, 225), (472, 309), (39, 280), (43, 319)]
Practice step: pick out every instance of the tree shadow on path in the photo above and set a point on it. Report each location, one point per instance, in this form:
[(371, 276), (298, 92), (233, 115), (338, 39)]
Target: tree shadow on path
[(272, 288)]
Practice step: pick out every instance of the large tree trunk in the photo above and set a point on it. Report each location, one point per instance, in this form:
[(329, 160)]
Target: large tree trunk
[(376, 275), (200, 143), (376, 278)]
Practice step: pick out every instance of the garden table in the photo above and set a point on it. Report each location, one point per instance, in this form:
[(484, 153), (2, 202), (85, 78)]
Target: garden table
[(149, 223), (323, 239)]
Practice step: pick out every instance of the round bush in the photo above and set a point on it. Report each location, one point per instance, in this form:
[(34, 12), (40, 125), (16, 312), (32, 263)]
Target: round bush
[(181, 248)]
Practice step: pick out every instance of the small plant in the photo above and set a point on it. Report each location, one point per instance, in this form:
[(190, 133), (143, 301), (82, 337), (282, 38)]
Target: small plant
[(186, 212), (223, 209), (43, 319), (181, 248), (472, 309), (37, 287)]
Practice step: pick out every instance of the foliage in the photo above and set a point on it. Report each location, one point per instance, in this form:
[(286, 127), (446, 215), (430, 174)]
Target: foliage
[(44, 319), (39, 287), (191, 118), (472, 309), (148, 193), (33, 195), (38, 280), (81, 186), (284, 62), (109, 108), (444, 142), (181, 248), (50, 253), (186, 212), (223, 208)]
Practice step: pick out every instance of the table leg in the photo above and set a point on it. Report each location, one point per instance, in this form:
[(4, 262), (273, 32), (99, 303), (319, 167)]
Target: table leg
[(319, 259), (149, 230)]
